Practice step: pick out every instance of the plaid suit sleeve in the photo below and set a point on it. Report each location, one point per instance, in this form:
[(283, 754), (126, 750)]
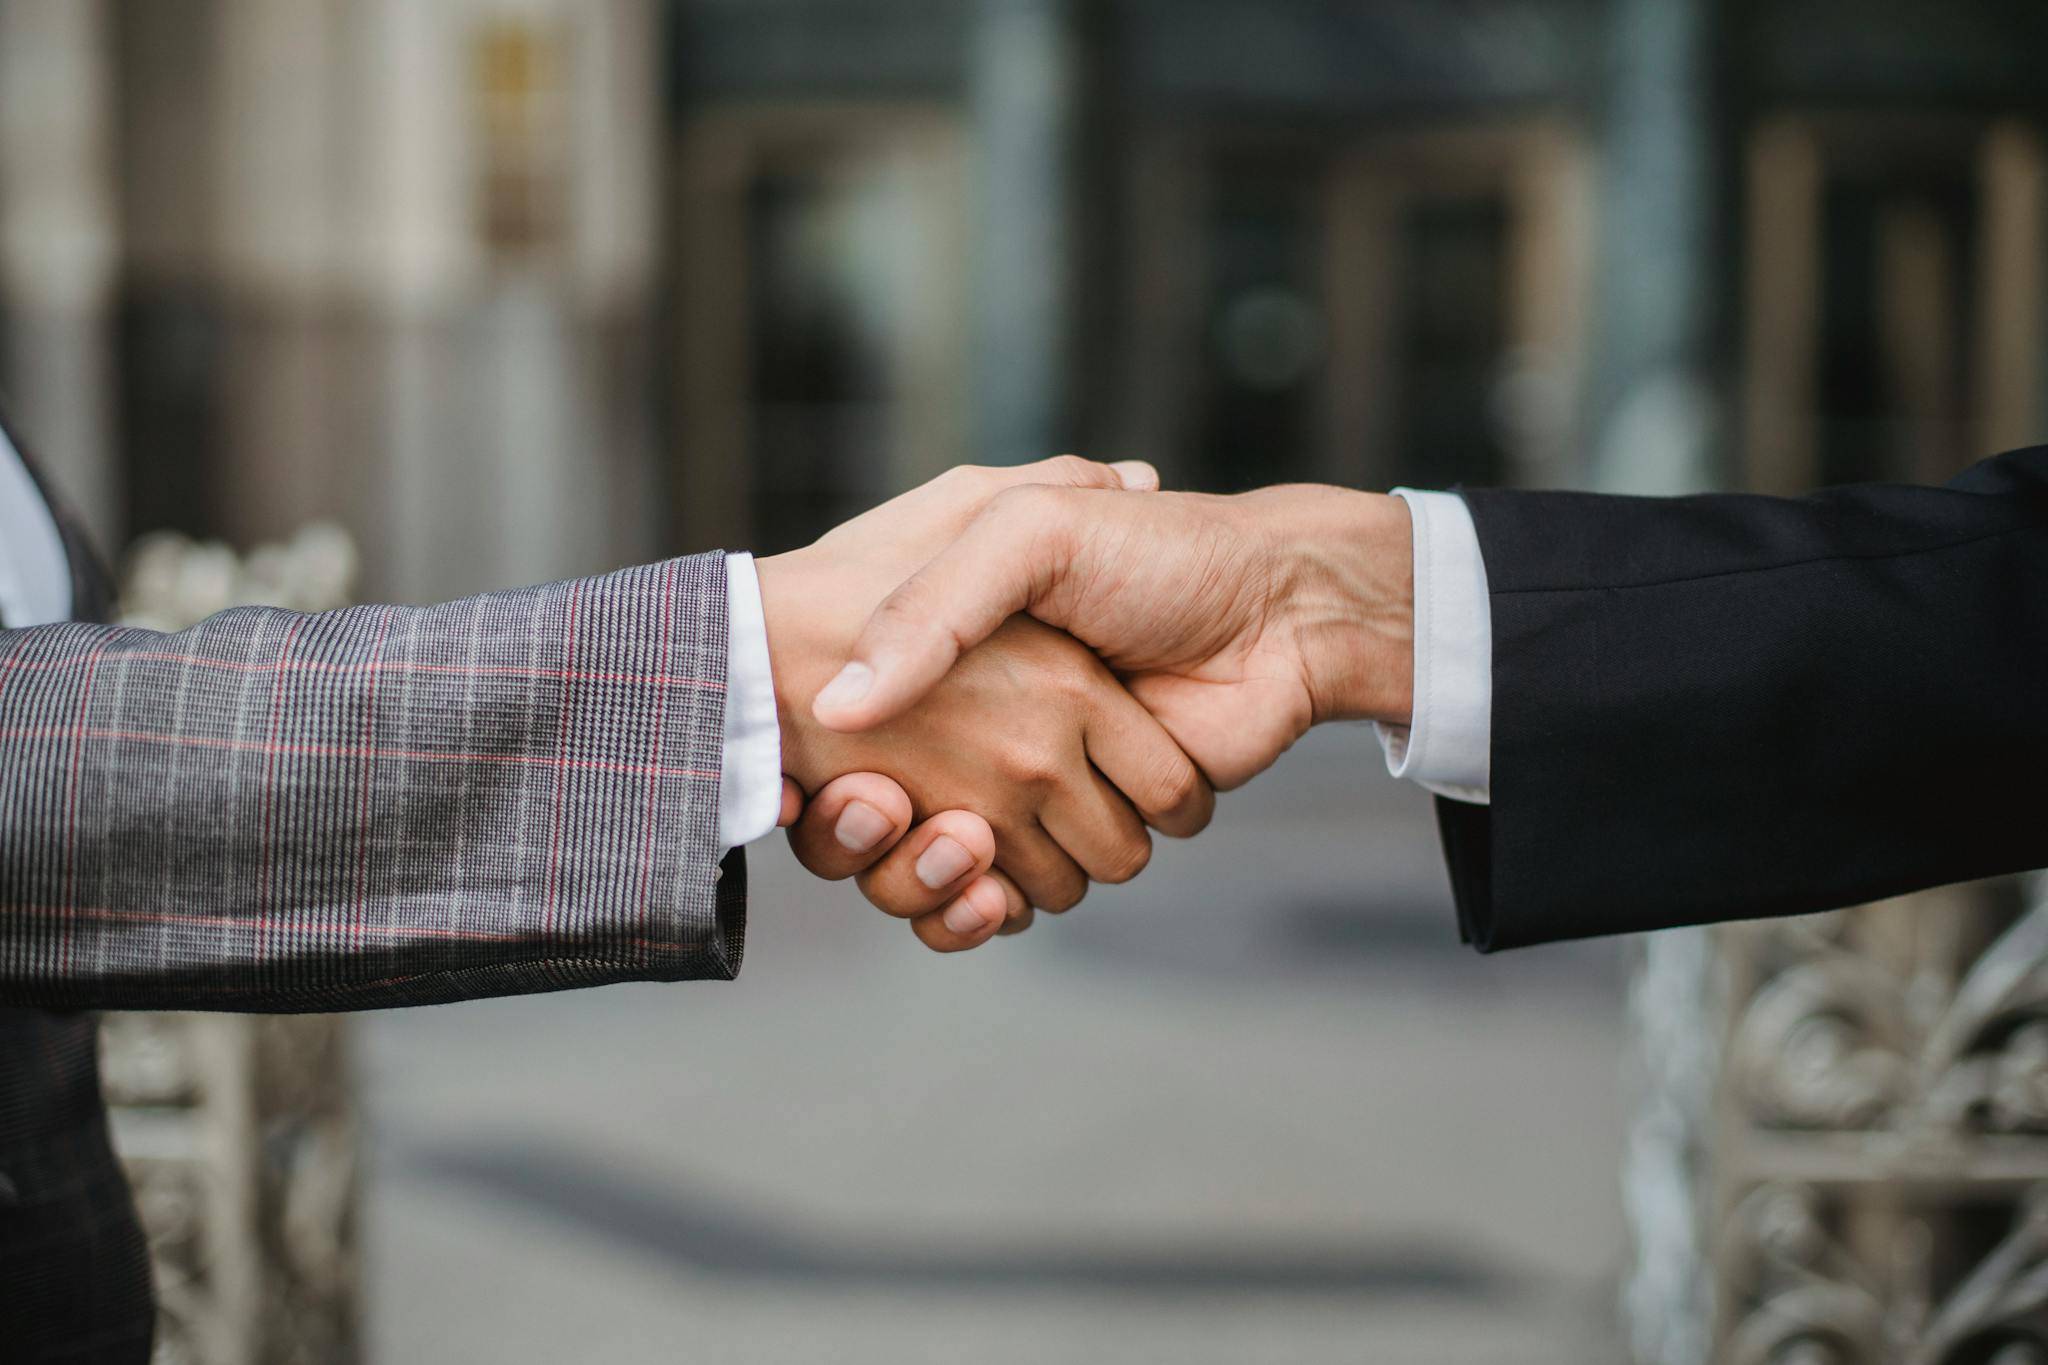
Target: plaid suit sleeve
[(381, 806)]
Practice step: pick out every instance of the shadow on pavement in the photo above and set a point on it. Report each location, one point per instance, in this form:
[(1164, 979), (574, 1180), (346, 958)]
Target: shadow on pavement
[(708, 1235)]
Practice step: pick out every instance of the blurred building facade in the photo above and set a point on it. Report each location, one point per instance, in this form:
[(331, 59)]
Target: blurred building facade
[(524, 288), (385, 262)]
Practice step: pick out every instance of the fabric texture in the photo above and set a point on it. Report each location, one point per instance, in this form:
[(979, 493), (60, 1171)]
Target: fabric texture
[(1734, 706), (379, 806), (1448, 741)]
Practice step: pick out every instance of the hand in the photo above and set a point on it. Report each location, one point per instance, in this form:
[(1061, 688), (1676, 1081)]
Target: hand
[(1238, 621), (855, 827), (1030, 731)]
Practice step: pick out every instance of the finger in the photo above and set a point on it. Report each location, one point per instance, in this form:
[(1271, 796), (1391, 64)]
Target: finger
[(972, 918), (1141, 760), (1019, 915), (1009, 555), (1048, 877), (792, 803), (932, 865), (1098, 829), (1236, 742), (1072, 471), (849, 825)]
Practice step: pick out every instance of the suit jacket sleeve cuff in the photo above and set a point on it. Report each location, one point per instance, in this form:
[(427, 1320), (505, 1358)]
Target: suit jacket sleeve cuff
[(1447, 746)]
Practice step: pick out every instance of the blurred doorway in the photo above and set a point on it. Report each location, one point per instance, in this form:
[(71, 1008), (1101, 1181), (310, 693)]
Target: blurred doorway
[(1894, 323), (1397, 307), (820, 320)]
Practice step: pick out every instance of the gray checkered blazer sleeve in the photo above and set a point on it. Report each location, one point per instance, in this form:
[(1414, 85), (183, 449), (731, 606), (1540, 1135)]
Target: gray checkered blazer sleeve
[(381, 806)]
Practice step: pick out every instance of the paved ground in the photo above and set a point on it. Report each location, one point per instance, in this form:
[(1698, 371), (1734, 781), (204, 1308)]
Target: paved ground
[(1256, 1107)]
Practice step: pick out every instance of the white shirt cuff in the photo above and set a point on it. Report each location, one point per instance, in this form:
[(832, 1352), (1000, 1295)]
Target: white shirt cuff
[(750, 787), (1448, 744)]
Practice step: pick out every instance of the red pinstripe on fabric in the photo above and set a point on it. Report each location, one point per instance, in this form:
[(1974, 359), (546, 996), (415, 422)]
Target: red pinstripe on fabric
[(92, 663), (561, 757), (356, 751), (668, 583), (12, 665), (369, 768), (269, 792)]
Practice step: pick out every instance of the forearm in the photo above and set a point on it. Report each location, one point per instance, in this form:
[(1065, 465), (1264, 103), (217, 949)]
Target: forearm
[(388, 805)]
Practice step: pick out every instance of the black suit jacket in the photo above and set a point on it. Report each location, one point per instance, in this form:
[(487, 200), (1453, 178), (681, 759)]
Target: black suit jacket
[(1732, 706)]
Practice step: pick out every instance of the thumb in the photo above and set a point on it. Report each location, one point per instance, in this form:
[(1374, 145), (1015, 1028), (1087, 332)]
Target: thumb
[(1006, 560)]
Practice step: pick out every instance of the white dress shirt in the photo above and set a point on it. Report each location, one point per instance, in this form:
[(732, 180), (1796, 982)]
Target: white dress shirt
[(1446, 746), (750, 788)]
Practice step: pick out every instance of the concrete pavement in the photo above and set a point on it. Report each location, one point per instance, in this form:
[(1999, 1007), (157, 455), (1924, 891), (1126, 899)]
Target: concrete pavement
[(1257, 1106)]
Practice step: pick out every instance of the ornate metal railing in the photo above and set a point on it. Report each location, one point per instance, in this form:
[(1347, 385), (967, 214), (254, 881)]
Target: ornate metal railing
[(239, 1132), (1840, 1151)]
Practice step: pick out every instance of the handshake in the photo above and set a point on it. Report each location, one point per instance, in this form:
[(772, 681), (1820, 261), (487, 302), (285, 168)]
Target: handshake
[(993, 688)]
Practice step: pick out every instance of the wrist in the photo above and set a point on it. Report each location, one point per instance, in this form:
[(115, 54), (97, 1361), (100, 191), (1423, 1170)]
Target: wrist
[(803, 648), (1349, 595)]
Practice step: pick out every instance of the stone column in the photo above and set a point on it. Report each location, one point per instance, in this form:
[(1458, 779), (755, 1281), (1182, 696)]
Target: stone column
[(58, 244), (1025, 77), (1659, 330), (1655, 418)]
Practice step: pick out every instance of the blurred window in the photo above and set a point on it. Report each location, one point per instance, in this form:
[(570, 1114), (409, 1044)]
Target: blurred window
[(821, 372), (1893, 318), (821, 307), (1897, 259), (1450, 346), (521, 110), (1263, 361), (1392, 308)]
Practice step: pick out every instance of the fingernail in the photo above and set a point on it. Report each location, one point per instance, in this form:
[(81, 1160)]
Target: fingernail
[(1136, 475), (860, 827), (944, 863), (962, 918), (850, 686)]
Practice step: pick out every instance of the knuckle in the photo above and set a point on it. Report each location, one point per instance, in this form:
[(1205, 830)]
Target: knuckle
[(1077, 686), (1127, 859), (1064, 894), (1197, 818), (1024, 500), (1032, 763), (910, 605), (1177, 788), (1071, 469)]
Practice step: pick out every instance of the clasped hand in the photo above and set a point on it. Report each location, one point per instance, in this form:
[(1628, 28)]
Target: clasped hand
[(1037, 667)]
